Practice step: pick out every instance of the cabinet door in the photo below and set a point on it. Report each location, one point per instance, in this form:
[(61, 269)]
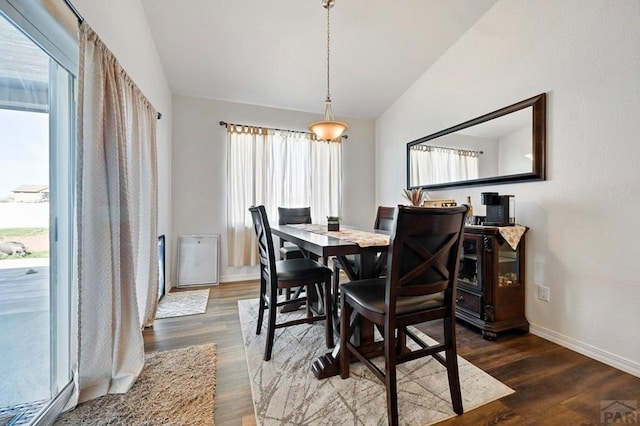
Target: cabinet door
[(470, 272), (508, 266)]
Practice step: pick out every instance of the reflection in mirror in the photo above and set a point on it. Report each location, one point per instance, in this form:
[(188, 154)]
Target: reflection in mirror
[(504, 146)]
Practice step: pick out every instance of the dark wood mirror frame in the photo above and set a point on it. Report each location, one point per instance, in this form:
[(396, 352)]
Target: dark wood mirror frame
[(538, 148)]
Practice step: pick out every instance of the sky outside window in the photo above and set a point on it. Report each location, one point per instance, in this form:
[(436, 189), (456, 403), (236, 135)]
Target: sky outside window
[(24, 158)]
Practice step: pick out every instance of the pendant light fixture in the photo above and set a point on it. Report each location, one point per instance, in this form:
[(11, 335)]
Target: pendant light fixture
[(328, 129)]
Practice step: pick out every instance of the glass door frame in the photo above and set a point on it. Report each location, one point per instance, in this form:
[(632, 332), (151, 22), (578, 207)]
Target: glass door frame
[(45, 31)]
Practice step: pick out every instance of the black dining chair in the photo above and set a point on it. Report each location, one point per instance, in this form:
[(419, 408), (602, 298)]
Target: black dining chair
[(287, 274), (292, 216), (289, 216), (420, 286)]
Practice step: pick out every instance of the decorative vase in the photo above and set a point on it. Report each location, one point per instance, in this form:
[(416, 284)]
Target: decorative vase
[(416, 196)]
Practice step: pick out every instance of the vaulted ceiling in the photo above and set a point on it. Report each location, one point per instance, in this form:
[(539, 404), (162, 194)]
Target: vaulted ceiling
[(273, 53)]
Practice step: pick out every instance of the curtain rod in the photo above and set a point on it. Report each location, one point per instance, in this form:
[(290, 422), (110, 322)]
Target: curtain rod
[(81, 20), (74, 10), (225, 124), (428, 148)]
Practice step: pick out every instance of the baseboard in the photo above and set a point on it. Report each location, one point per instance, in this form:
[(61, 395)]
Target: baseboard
[(240, 277), (232, 278), (593, 352)]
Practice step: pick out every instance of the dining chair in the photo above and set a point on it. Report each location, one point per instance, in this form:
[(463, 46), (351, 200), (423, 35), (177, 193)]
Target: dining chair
[(287, 274), (292, 216), (420, 286), (384, 218), (288, 216), (384, 221)]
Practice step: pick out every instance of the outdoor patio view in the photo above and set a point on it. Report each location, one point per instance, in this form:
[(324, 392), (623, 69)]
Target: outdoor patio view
[(25, 325), (24, 303)]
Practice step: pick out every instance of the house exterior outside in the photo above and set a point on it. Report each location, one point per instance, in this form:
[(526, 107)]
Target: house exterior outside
[(30, 194)]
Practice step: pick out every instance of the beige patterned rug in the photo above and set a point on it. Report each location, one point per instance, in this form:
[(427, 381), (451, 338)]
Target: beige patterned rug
[(175, 388), (182, 303), (285, 391)]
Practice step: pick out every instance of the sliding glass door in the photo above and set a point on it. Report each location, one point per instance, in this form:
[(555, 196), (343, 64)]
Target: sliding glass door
[(36, 218)]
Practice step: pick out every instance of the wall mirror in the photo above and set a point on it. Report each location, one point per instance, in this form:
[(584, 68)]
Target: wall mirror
[(504, 146)]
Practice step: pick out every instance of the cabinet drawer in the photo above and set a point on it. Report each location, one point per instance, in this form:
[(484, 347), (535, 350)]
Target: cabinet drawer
[(469, 302), (470, 285)]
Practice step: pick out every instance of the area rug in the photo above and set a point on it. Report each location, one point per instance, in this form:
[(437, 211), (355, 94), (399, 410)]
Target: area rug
[(182, 303), (6, 418), (285, 391), (175, 388)]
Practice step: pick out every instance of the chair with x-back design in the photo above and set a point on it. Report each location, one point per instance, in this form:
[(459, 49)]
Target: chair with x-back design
[(420, 286), (287, 274)]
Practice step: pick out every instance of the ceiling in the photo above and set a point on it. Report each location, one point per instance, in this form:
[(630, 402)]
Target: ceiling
[(273, 53)]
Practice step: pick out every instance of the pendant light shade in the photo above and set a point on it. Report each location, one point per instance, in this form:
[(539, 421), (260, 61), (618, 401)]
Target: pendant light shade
[(329, 128)]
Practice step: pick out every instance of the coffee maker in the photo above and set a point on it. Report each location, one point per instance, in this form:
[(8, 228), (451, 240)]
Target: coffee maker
[(497, 209)]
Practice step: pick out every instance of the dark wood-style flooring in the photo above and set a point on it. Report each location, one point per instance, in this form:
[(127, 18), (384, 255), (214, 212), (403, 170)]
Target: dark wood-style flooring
[(554, 385)]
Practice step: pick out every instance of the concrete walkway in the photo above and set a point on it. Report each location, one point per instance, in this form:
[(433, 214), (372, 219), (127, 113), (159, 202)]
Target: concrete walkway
[(24, 314), (23, 263), (24, 331)]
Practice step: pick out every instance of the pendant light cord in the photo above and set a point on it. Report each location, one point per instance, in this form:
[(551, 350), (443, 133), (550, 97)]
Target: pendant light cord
[(329, 129), (328, 50)]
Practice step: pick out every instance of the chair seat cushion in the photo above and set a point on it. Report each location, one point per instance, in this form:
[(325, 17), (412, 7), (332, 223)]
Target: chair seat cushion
[(370, 295), (300, 269), (291, 252)]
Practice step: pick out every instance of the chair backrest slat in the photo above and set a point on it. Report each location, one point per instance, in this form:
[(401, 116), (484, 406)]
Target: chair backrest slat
[(424, 251), (266, 251)]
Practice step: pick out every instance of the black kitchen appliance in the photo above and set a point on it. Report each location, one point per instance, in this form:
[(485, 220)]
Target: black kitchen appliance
[(497, 209)]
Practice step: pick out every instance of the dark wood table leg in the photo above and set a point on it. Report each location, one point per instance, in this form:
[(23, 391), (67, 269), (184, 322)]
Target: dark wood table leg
[(328, 365), (367, 265)]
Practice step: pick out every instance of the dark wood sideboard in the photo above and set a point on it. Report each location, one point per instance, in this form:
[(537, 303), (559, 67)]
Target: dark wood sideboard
[(491, 287)]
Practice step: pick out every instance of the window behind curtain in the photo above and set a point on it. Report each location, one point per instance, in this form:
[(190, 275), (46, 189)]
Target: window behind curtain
[(277, 169)]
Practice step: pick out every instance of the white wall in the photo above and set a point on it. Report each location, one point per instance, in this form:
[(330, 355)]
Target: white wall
[(199, 167), (122, 26), (513, 151), (585, 54)]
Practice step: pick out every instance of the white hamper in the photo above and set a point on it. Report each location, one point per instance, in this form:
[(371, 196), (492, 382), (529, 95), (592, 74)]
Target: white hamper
[(198, 258)]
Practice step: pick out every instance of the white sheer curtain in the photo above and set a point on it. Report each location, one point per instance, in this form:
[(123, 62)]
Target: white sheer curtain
[(116, 221), (277, 169), (437, 165), (242, 154), (326, 181)]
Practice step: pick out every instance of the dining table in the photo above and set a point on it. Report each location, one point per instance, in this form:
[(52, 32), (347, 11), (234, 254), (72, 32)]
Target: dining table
[(366, 245)]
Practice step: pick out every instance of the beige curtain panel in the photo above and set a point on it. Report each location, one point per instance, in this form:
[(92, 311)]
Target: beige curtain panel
[(116, 222)]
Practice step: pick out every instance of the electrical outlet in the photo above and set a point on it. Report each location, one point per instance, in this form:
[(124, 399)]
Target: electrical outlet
[(544, 293)]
